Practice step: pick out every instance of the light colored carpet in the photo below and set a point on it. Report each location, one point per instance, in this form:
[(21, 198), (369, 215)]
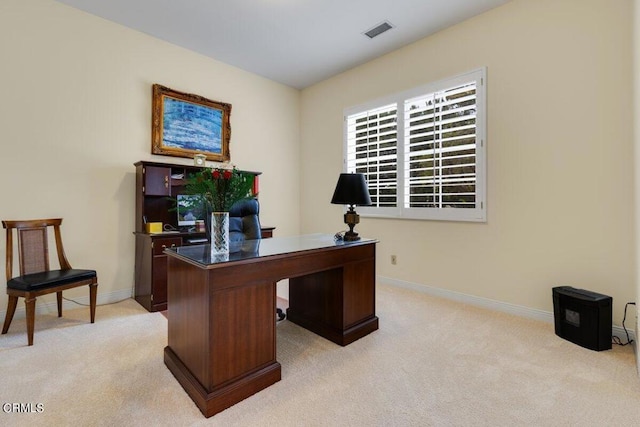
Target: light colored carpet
[(432, 363)]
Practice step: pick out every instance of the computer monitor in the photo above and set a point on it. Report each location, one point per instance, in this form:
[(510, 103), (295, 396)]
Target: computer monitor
[(190, 209)]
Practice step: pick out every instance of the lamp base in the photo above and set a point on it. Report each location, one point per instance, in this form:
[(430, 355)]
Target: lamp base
[(351, 218), (351, 236)]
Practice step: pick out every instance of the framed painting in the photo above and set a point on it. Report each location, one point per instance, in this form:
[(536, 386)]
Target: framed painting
[(184, 125)]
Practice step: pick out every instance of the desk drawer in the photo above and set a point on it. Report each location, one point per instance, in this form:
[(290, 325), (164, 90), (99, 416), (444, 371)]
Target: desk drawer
[(159, 245)]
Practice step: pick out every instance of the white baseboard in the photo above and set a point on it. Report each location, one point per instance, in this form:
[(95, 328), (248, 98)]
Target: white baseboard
[(504, 307), (51, 307)]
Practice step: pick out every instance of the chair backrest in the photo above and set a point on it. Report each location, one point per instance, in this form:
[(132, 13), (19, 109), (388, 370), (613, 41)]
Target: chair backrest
[(244, 220), (33, 248)]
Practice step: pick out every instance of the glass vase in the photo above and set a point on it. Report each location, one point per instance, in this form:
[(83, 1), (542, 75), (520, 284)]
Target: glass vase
[(219, 233)]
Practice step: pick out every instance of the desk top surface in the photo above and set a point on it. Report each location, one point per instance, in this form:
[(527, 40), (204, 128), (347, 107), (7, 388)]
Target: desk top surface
[(249, 249)]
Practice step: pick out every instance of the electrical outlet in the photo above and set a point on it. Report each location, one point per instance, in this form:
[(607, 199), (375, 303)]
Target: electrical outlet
[(394, 259)]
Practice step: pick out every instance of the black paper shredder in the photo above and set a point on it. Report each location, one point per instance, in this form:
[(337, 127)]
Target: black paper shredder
[(583, 317)]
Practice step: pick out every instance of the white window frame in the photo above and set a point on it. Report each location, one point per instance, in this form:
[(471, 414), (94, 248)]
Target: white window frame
[(475, 214)]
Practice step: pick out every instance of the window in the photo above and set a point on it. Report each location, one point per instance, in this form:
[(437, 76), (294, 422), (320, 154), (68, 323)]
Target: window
[(423, 151)]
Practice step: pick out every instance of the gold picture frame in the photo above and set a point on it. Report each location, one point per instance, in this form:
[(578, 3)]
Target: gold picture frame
[(184, 125)]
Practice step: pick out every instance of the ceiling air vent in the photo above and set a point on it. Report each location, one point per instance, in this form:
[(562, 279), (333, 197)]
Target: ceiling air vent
[(378, 29)]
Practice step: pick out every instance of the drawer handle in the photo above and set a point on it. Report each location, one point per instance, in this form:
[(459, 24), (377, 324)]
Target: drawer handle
[(173, 245), (166, 181)]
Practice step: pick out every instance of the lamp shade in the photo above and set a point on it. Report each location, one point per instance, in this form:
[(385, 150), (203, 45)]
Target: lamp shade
[(351, 189)]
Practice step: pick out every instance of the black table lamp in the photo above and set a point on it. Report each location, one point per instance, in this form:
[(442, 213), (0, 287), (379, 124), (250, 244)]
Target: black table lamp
[(351, 190)]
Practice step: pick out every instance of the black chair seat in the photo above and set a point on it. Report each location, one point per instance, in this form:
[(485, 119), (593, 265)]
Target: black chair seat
[(46, 279)]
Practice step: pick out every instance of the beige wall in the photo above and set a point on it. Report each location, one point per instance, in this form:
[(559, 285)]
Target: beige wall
[(560, 154), (636, 111), (76, 114)]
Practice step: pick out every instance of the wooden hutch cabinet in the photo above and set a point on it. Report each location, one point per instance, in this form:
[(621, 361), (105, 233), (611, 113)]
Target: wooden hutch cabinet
[(157, 185)]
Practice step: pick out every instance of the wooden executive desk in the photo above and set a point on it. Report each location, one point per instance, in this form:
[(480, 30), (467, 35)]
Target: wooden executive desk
[(221, 312)]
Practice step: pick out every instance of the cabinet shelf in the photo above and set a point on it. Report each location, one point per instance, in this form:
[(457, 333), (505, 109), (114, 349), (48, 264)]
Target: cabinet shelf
[(156, 189)]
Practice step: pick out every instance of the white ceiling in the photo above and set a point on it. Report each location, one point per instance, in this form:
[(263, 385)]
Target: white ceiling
[(295, 42)]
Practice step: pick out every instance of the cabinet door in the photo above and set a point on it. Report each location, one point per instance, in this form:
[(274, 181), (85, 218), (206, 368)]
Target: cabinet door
[(159, 280), (157, 181), (159, 270)]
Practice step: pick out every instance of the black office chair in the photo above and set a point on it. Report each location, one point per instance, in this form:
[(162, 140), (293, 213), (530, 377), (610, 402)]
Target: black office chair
[(244, 221)]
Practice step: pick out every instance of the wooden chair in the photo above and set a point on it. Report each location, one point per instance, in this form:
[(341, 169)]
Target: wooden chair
[(35, 278)]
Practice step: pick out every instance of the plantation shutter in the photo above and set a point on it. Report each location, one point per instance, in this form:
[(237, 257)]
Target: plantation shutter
[(372, 149), (423, 150), (440, 149)]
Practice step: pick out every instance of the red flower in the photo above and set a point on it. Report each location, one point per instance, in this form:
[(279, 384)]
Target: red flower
[(220, 188)]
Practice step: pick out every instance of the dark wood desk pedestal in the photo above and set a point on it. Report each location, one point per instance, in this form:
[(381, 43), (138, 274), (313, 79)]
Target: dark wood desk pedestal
[(221, 316)]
